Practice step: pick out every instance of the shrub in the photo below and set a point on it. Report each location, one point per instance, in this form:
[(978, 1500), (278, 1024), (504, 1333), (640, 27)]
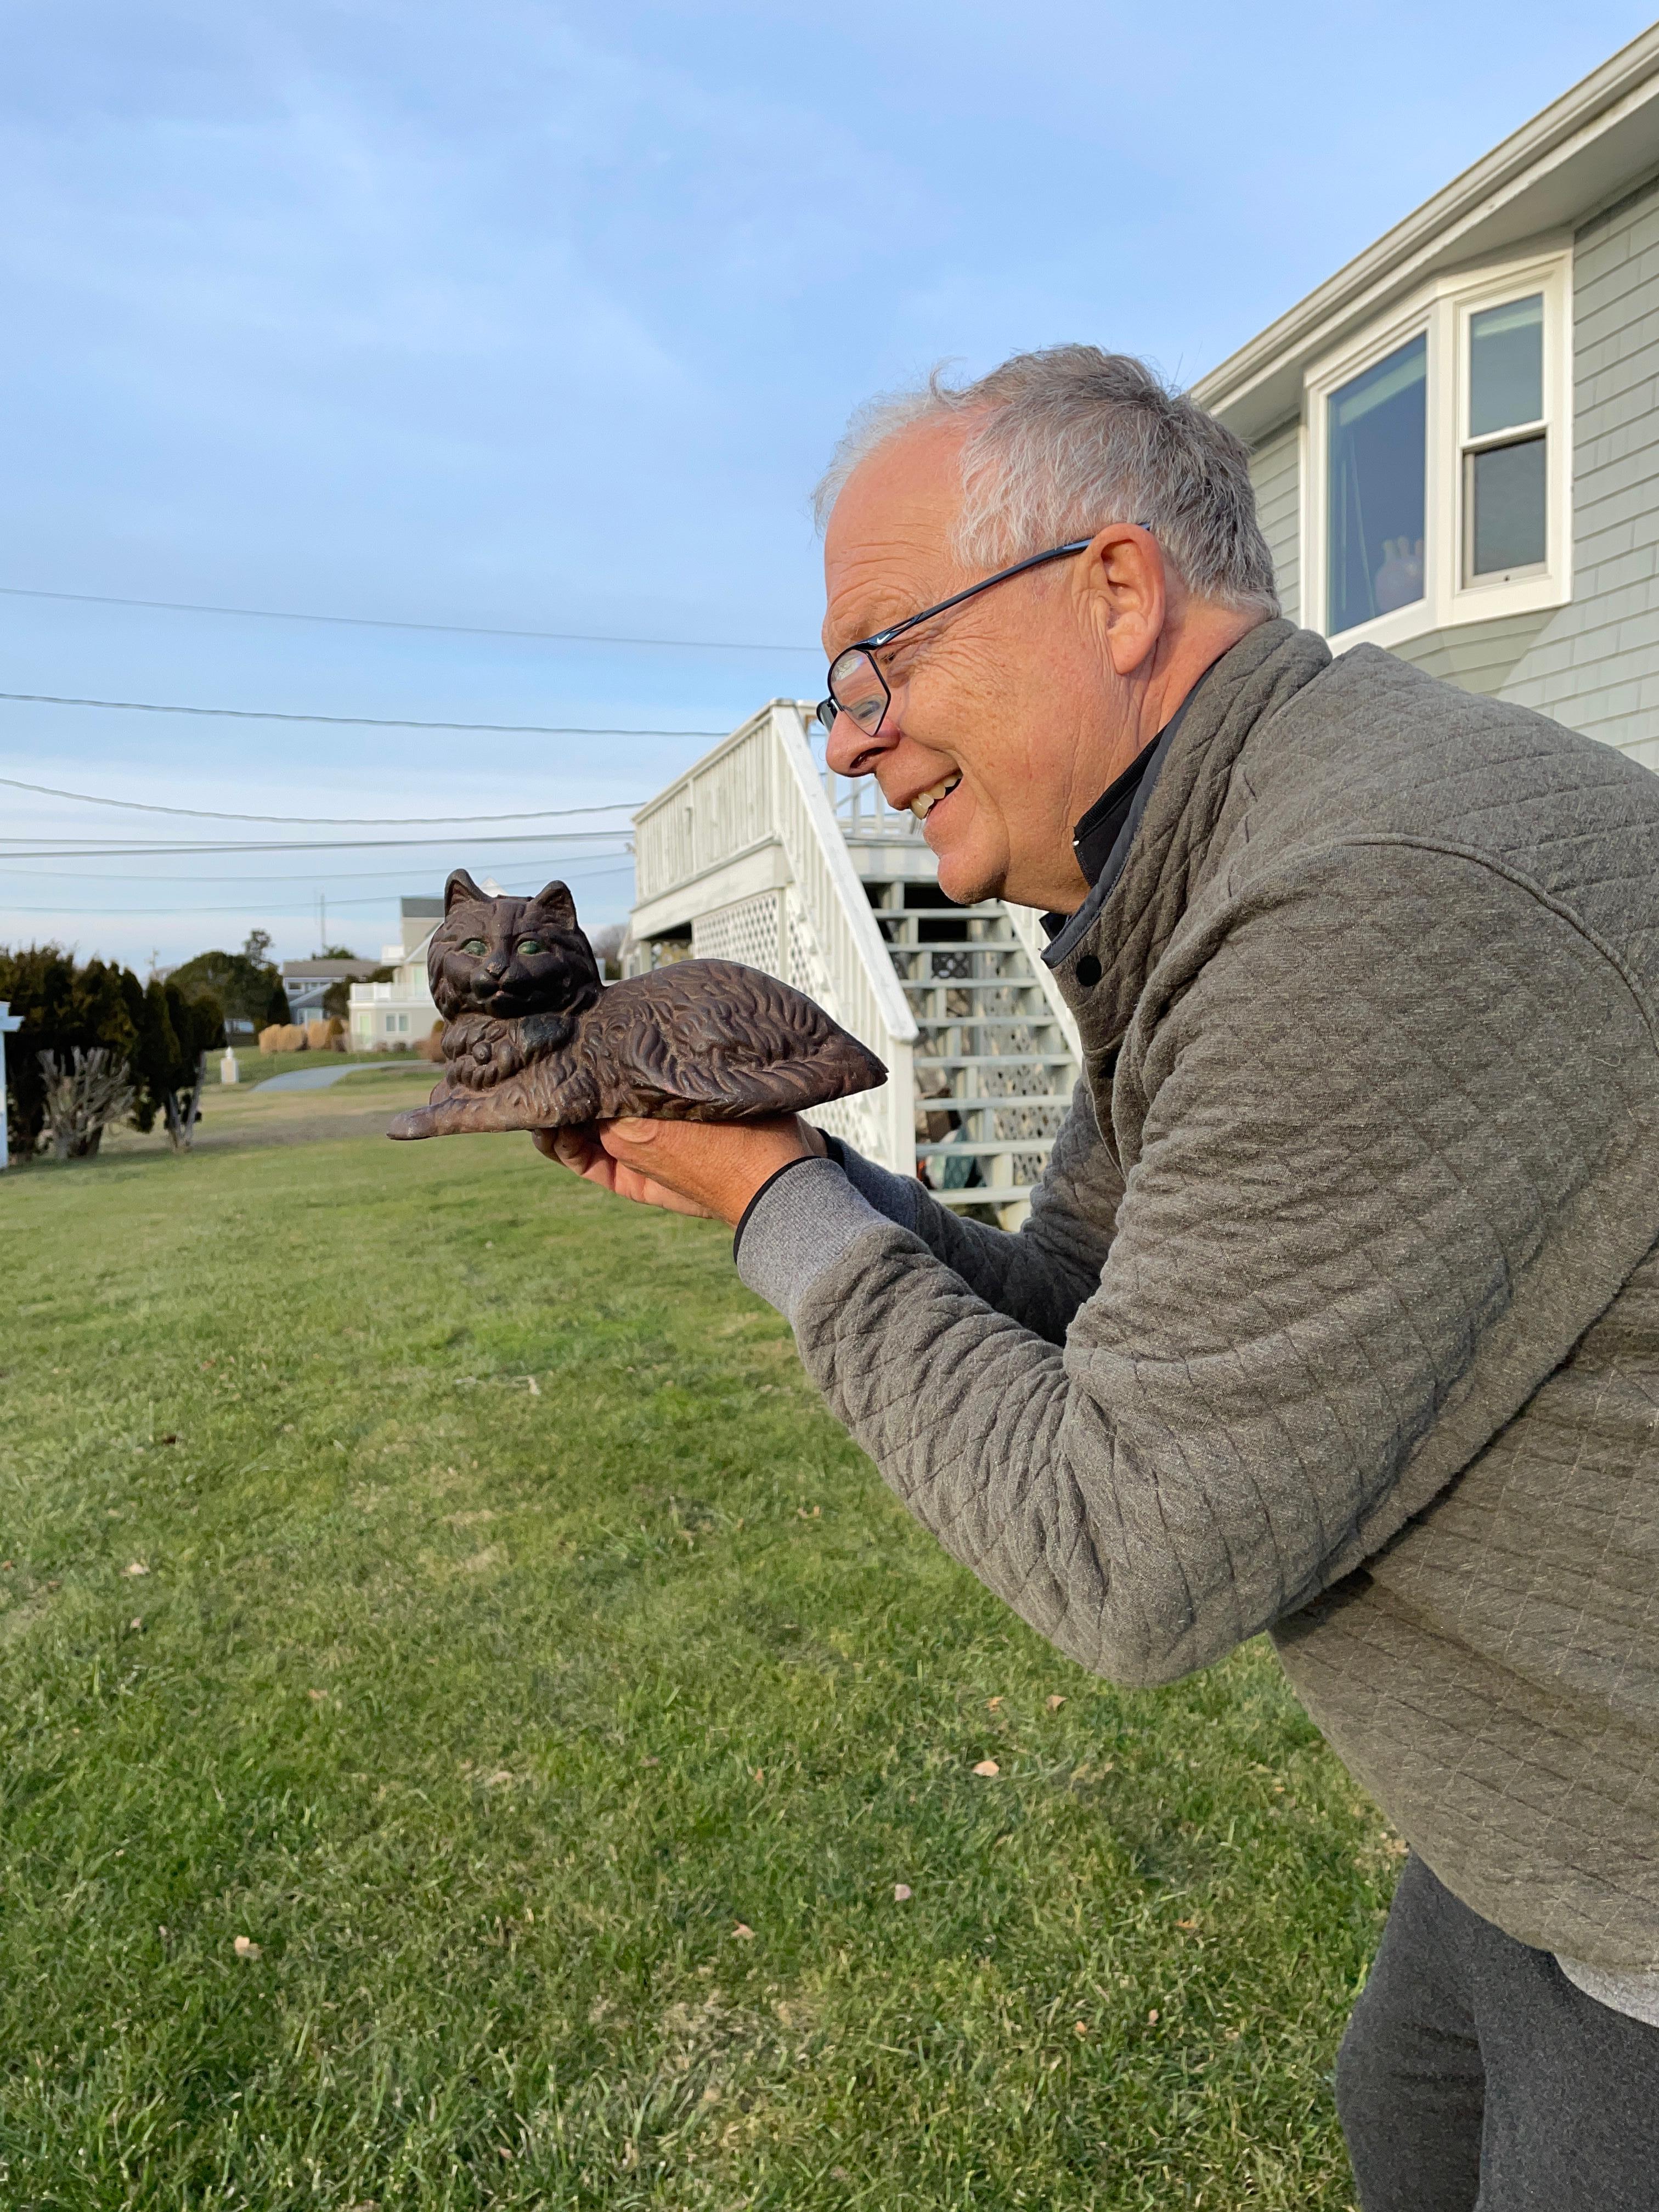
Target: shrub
[(83, 1092)]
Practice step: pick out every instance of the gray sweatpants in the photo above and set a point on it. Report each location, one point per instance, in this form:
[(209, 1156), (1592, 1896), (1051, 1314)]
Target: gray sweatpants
[(1475, 2078)]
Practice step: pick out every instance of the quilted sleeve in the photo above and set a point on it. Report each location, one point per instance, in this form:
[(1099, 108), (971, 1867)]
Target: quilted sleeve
[(1041, 1274), (1381, 1105)]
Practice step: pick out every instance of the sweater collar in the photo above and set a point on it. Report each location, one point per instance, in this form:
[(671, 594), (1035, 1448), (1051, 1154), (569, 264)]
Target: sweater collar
[(1127, 930), (1103, 837)]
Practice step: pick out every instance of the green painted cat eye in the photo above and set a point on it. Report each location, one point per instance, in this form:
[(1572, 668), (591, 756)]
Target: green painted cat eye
[(476, 945), (530, 945)]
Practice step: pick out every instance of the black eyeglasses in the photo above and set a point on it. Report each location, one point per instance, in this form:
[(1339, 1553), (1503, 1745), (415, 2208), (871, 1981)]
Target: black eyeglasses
[(857, 687)]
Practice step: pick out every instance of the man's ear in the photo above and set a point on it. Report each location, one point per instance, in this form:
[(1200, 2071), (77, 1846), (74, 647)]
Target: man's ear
[(461, 887), (553, 900), (1123, 573)]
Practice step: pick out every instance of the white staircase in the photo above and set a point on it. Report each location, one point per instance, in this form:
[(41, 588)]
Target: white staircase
[(760, 853)]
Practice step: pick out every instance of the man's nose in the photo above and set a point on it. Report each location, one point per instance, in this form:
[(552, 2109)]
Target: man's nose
[(852, 752)]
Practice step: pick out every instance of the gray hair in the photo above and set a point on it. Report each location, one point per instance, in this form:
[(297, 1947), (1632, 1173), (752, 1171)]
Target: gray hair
[(1069, 439)]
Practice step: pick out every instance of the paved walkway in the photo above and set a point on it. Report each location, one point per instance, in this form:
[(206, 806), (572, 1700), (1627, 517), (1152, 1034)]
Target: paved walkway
[(312, 1078)]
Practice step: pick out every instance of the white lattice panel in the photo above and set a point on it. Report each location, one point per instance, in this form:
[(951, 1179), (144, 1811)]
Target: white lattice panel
[(853, 1120), (747, 930)]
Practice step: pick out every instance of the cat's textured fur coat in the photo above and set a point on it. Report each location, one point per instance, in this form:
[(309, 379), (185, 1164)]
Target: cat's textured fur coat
[(534, 1039)]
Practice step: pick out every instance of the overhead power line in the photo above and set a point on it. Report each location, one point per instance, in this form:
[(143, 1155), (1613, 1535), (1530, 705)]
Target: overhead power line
[(317, 877), (377, 622), (353, 722), (238, 905), (328, 821), (18, 848)]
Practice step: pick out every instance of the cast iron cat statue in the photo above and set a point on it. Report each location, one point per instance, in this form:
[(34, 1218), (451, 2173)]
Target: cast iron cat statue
[(534, 1039)]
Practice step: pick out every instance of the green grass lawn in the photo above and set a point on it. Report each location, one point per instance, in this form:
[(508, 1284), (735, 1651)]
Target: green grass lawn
[(468, 1712)]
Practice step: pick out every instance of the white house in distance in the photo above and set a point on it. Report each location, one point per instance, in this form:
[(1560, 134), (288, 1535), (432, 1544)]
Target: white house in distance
[(307, 982), (1456, 449), (385, 1017), (1455, 439)]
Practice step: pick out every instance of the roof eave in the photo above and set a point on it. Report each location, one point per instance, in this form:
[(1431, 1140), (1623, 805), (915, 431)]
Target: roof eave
[(1555, 173)]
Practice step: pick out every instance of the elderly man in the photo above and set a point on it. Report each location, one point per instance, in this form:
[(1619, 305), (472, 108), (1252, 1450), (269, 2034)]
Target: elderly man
[(1337, 1312)]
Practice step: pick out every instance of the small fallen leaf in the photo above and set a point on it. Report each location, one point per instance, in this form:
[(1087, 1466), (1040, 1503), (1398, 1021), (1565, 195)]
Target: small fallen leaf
[(1151, 2017), (743, 1932), (652, 1760), (901, 1892), (138, 1568), (495, 1781), (137, 1620), (1080, 2027), (317, 1697), (760, 1774), (246, 1947), (991, 1703), (1187, 1927), (1231, 2034), (987, 1766), (1054, 1704)]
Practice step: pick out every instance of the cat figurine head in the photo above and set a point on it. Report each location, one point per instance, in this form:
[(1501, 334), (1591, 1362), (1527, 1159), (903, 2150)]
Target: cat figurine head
[(509, 958)]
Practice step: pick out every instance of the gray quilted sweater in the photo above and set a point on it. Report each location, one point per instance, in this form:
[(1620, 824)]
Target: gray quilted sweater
[(1337, 1313)]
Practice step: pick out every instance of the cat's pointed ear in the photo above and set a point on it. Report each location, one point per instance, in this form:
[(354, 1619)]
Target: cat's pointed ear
[(553, 900), (461, 888)]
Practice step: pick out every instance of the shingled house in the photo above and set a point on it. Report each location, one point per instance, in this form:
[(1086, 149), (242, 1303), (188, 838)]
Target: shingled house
[(1456, 437)]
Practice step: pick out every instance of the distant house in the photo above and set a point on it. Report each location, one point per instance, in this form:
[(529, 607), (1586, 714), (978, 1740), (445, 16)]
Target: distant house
[(1455, 439), (307, 982), (399, 1013)]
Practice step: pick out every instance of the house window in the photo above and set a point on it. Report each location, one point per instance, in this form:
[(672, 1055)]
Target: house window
[(1505, 456), (1437, 481), (1377, 442)]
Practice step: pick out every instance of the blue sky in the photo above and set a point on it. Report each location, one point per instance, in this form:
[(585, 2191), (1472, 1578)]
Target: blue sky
[(546, 317)]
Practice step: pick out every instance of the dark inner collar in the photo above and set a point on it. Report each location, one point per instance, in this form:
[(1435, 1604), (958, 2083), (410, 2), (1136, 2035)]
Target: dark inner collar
[(1095, 834)]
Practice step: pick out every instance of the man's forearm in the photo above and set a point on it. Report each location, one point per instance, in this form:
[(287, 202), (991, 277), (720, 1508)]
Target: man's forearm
[(1039, 1276)]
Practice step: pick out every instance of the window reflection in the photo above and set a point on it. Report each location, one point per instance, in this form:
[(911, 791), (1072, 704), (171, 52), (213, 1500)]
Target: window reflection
[(1376, 453), (1506, 366)]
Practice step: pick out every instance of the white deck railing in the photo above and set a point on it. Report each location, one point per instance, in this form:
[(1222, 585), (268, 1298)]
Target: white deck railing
[(762, 788)]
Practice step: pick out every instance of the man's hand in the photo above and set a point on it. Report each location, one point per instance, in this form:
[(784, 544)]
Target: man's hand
[(708, 1168)]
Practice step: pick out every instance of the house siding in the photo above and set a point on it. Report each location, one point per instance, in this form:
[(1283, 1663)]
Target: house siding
[(1276, 474), (1593, 664)]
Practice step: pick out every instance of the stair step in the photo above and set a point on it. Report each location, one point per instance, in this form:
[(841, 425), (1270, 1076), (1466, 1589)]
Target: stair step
[(987, 910), (1036, 1018), (1004, 1102), (976, 1150), (972, 983), (995, 1059)]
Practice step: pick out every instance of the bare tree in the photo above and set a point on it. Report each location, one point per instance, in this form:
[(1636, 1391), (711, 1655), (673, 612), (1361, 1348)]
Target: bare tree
[(83, 1097)]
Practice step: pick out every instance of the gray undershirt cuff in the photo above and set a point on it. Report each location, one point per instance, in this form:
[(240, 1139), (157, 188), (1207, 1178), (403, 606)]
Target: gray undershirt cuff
[(899, 1197), (800, 1225)]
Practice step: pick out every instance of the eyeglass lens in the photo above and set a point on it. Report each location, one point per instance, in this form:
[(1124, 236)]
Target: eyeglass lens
[(856, 688)]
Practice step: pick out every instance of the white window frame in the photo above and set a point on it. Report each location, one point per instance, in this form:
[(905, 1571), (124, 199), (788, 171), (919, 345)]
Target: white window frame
[(1443, 311)]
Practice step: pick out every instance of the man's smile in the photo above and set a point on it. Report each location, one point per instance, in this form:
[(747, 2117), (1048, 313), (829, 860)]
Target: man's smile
[(925, 801)]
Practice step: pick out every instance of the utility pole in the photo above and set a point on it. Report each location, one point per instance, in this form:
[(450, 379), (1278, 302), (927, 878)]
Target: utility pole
[(8, 1022)]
